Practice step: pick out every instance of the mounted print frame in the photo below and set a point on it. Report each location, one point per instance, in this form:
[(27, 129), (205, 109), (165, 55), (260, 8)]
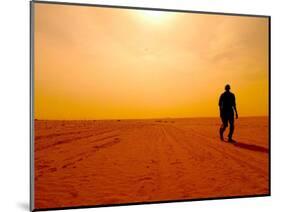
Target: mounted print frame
[(133, 105)]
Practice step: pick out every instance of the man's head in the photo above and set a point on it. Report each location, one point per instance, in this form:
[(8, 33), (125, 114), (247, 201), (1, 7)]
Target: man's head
[(227, 87)]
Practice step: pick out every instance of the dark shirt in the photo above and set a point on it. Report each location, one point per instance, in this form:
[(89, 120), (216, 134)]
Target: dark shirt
[(227, 102)]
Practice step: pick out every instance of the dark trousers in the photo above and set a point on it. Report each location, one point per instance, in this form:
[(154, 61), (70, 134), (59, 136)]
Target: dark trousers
[(226, 118)]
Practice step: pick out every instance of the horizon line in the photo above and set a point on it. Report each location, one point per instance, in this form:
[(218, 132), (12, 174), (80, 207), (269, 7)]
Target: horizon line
[(124, 119)]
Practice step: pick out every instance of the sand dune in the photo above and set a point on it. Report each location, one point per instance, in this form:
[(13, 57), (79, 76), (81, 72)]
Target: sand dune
[(79, 163)]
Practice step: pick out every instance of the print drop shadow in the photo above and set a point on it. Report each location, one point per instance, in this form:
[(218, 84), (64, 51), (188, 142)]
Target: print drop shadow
[(23, 206), (251, 147)]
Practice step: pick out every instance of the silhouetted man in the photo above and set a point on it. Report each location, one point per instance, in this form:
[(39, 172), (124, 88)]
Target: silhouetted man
[(227, 107)]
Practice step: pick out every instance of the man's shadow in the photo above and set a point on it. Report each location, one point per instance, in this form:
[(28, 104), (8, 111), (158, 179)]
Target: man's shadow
[(251, 147)]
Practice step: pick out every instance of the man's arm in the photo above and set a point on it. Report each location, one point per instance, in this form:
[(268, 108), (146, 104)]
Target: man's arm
[(220, 105), (234, 107)]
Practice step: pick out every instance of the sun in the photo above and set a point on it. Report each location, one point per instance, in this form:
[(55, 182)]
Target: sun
[(155, 17)]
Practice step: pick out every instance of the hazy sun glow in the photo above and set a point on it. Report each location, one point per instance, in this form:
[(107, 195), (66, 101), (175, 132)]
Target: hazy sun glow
[(105, 63), (154, 17)]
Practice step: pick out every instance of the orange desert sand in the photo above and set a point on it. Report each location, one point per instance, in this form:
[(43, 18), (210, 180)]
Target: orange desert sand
[(86, 163)]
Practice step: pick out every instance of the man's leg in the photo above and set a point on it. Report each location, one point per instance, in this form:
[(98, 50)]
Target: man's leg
[(223, 127), (231, 127)]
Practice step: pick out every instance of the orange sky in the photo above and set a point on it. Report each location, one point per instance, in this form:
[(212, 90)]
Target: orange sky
[(101, 63)]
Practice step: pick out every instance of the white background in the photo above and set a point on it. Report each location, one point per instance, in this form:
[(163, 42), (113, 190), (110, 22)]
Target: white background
[(14, 106)]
